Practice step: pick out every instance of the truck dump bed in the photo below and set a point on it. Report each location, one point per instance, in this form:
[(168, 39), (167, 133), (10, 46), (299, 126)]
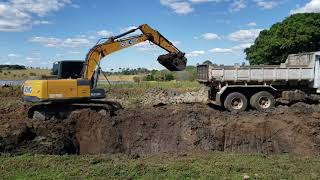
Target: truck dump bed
[(298, 67)]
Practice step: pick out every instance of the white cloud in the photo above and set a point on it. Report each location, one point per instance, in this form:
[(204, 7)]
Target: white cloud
[(38, 22), (252, 24), (195, 53), (183, 7), (176, 43), (245, 35), (13, 55), (220, 50), (210, 36), (56, 42), (105, 33), (74, 52), (122, 30), (266, 4), (312, 6), (233, 49), (146, 46), (205, 1), (39, 7), (237, 5), (125, 29), (17, 15), (31, 60), (12, 19), (178, 6), (241, 46)]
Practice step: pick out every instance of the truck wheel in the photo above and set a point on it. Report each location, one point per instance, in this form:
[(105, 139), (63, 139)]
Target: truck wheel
[(236, 102), (262, 101)]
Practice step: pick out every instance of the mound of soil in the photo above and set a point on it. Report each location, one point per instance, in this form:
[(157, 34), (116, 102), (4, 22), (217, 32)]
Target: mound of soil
[(165, 129)]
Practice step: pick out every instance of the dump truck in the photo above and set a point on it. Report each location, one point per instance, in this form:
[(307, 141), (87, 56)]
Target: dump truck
[(238, 87)]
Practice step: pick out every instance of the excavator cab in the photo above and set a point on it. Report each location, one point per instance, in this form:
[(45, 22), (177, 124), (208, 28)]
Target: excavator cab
[(67, 69)]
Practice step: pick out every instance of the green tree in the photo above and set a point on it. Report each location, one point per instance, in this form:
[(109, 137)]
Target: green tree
[(207, 62), (169, 77), (297, 33)]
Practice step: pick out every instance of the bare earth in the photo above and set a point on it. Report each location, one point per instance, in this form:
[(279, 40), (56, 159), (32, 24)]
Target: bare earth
[(172, 128)]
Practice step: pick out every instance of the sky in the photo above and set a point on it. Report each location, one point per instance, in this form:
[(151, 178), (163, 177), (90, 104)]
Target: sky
[(39, 32)]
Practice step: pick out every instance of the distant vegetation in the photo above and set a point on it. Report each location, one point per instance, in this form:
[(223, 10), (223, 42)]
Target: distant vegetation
[(143, 74), (22, 74), (17, 72), (12, 67), (297, 33)]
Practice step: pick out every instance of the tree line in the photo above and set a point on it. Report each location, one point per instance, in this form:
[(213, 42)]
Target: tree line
[(296, 34), (145, 74), (12, 67)]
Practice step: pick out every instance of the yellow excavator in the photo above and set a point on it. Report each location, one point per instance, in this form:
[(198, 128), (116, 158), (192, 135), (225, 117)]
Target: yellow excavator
[(74, 84)]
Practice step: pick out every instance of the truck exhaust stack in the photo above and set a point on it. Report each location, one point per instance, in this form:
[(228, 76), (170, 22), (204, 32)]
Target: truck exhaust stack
[(173, 61)]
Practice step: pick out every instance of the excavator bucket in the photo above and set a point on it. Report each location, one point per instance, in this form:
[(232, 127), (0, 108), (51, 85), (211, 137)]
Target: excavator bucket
[(173, 61)]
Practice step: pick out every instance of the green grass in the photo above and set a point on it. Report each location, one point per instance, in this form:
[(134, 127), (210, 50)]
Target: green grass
[(209, 166), (187, 85)]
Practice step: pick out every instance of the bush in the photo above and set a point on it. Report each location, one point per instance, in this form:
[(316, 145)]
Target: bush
[(169, 77), (137, 79), (149, 77), (17, 67), (32, 74)]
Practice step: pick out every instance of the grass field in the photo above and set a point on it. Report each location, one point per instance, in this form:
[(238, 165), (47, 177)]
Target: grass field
[(209, 166), (28, 73), (185, 85), (125, 78), (22, 74)]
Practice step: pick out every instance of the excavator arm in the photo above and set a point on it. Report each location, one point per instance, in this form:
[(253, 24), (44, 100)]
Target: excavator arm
[(174, 60)]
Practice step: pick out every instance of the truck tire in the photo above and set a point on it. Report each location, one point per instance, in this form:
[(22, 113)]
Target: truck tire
[(236, 102), (262, 101)]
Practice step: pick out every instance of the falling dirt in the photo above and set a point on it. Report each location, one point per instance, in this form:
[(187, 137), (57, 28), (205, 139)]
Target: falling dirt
[(165, 129)]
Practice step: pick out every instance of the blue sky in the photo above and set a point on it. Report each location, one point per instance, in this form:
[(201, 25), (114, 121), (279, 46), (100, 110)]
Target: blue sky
[(39, 32)]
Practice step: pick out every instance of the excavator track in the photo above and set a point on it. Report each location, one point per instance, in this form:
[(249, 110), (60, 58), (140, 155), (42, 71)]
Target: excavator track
[(62, 110)]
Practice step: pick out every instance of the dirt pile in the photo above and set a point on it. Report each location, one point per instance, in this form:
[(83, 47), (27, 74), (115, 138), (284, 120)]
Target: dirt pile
[(155, 96), (167, 129)]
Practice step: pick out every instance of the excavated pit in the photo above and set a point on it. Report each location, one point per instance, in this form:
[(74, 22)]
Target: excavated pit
[(182, 128)]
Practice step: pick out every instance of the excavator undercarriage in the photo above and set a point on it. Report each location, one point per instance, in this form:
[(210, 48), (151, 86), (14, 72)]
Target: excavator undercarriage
[(61, 110)]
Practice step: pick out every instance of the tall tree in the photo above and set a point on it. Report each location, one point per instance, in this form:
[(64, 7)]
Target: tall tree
[(207, 62), (297, 33)]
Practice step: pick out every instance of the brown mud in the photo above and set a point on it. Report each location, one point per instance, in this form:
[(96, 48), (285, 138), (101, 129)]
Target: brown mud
[(180, 128)]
